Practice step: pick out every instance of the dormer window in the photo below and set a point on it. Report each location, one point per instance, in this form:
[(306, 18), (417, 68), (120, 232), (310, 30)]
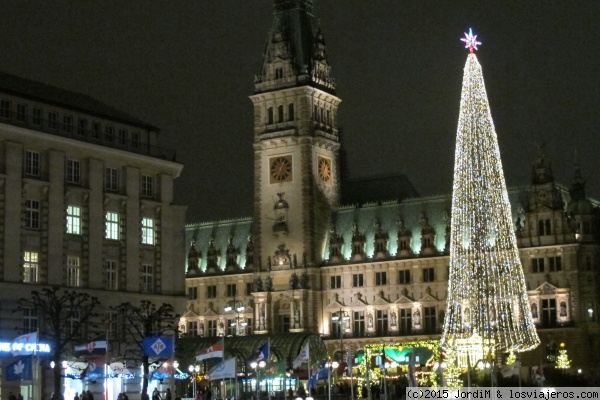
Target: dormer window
[(278, 73)]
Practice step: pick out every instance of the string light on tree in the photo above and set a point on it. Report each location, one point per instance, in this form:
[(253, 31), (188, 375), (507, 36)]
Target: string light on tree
[(486, 294), (562, 361)]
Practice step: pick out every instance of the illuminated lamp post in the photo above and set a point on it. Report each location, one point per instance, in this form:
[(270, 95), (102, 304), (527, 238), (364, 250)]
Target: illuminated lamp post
[(194, 370), (256, 365), (237, 307)]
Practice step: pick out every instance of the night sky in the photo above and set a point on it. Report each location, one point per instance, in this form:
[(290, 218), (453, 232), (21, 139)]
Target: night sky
[(188, 67)]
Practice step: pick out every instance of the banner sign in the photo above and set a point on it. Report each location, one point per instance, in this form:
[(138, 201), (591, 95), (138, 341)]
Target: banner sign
[(159, 346), (24, 348)]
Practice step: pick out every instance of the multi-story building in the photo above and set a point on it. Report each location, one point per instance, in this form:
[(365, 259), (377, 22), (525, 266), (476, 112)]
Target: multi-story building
[(86, 204), (367, 262)]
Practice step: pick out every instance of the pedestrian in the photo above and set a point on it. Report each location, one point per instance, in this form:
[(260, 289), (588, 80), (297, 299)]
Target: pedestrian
[(89, 395), (168, 394), (11, 396), (76, 396), (19, 396), (156, 395)]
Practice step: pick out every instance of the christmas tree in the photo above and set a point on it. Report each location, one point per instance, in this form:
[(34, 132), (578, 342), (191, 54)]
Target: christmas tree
[(486, 289)]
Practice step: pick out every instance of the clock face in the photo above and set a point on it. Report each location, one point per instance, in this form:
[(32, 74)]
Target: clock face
[(281, 169), (324, 169)]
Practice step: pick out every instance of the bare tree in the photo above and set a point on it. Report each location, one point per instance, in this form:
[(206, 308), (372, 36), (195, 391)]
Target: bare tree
[(63, 318), (139, 322)]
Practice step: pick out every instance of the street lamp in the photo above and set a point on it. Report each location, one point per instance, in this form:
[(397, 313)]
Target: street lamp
[(340, 318), (237, 307), (256, 365), (387, 365), (330, 367), (194, 370)]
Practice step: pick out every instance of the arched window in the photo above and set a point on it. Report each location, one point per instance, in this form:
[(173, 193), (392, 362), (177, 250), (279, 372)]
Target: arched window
[(280, 114), (291, 112), (270, 115), (548, 227)]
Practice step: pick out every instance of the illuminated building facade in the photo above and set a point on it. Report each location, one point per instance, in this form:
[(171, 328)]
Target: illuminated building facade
[(367, 261), (86, 204)]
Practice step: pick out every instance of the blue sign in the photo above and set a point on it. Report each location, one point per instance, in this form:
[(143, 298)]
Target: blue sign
[(158, 346)]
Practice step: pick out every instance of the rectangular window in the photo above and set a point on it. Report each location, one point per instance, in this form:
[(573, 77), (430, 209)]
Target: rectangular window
[(73, 320), (22, 113), (30, 319), (336, 282), (73, 171), (148, 278), (111, 275), (30, 267), (212, 328), (82, 127), (555, 264), (96, 129), (112, 226), (428, 275), (588, 263), (382, 322), (147, 186), (32, 214), (67, 124), (231, 289), (111, 182), (148, 231), (249, 326), (380, 278), (231, 326), (74, 220), (357, 280), (548, 312), (192, 293), (36, 116), (32, 163), (112, 325), (430, 320), (211, 291), (404, 276), (52, 120), (359, 324), (135, 140), (249, 289), (123, 137), (4, 109), (537, 265), (284, 323), (73, 271), (192, 328), (109, 134), (405, 321)]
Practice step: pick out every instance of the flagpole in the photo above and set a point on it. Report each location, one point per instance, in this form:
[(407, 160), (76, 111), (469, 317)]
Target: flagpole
[(35, 366), (106, 366), (349, 362)]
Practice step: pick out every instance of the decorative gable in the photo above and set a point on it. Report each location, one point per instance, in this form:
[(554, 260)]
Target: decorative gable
[(190, 314), (404, 300), (357, 301), (334, 305), (546, 289), (428, 299)]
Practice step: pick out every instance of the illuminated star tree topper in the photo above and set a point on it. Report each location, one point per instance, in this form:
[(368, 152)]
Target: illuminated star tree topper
[(471, 41)]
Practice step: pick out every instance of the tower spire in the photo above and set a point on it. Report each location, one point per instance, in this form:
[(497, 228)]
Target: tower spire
[(295, 54)]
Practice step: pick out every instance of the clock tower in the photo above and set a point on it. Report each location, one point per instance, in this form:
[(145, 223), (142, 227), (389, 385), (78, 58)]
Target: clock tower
[(296, 143)]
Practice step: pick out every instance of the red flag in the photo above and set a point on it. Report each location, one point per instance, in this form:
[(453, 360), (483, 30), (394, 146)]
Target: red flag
[(216, 350)]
